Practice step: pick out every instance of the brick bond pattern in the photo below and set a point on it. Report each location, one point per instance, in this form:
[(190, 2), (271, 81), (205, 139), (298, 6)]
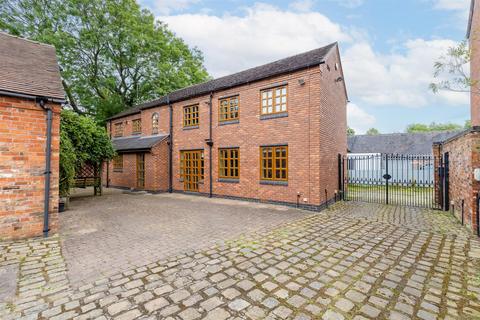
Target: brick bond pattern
[(22, 167), (314, 131), (464, 157), (347, 262)]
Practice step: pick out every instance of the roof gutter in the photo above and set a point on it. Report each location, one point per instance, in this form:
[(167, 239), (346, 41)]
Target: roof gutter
[(31, 97)]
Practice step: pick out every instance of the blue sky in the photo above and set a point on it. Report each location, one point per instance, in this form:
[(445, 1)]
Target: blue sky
[(388, 47)]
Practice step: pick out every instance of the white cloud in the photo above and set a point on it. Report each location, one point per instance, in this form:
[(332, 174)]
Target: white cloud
[(358, 119), (302, 5), (263, 34), (398, 79), (168, 6), (452, 4), (349, 3)]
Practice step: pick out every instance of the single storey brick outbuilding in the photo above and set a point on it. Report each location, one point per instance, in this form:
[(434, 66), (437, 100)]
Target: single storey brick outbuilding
[(31, 95), (271, 133)]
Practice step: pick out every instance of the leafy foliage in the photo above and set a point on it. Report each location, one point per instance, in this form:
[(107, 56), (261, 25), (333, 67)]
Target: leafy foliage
[(112, 54), (350, 132), (82, 140), (420, 127), (372, 131), (68, 161), (451, 73)]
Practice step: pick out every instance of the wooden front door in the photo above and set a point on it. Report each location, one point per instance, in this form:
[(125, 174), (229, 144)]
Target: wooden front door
[(140, 170), (191, 169)]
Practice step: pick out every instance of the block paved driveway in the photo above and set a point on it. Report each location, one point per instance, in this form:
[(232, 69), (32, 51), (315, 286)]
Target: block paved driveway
[(104, 235), (353, 261)]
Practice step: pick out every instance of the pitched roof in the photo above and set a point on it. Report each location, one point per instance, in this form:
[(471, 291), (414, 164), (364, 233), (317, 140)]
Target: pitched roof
[(290, 64), (470, 18), (29, 68), (125, 144), (401, 143)]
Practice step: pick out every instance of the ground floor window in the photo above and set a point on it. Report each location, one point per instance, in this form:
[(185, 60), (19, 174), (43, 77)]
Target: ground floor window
[(274, 163), (191, 168), (118, 163), (229, 163)]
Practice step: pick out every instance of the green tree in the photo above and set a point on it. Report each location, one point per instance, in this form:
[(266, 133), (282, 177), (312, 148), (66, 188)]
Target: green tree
[(113, 55), (468, 124), (372, 131), (451, 71), (82, 141), (420, 127), (350, 132)]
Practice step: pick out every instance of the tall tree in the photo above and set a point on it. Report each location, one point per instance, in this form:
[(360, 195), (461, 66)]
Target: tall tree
[(372, 131), (451, 71), (420, 127), (112, 53)]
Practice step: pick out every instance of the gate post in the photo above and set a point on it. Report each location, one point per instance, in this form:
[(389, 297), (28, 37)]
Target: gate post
[(386, 179), (340, 176)]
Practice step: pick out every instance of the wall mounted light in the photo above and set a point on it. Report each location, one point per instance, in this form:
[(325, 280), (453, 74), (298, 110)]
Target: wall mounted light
[(301, 82)]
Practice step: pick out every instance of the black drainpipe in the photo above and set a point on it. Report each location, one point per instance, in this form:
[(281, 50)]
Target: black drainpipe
[(210, 145), (170, 149), (47, 173), (108, 161)]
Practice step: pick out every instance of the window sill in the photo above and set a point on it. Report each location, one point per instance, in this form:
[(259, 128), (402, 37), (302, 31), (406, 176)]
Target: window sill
[(225, 123), (228, 180), (118, 170), (191, 127), (273, 116), (274, 183), (136, 133)]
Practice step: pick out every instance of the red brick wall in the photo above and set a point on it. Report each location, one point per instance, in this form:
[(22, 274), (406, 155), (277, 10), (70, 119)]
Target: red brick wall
[(315, 131), (475, 65), (156, 170), (22, 166), (464, 157)]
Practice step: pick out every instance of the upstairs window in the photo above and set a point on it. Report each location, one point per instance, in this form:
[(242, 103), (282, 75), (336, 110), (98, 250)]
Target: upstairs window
[(190, 116), (274, 100), (228, 109), (136, 126), (118, 129), (118, 163), (155, 123), (274, 163), (229, 163)]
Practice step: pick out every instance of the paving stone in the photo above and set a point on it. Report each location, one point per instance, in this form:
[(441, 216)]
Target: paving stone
[(211, 303), (344, 305), (238, 304), (155, 304), (217, 314), (189, 314), (118, 307), (332, 315)]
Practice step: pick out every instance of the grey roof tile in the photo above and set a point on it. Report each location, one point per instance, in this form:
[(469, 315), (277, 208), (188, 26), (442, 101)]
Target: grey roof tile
[(401, 143), (290, 64), (29, 68), (136, 143)]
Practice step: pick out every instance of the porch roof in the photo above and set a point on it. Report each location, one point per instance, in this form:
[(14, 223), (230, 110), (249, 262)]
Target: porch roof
[(137, 143)]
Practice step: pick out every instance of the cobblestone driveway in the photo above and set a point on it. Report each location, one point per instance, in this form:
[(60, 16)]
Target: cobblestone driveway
[(352, 261)]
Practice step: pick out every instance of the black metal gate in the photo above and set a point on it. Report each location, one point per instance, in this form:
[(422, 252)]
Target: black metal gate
[(401, 179)]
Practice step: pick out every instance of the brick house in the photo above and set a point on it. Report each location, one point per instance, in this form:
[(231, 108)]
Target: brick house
[(31, 95), (462, 151), (272, 133)]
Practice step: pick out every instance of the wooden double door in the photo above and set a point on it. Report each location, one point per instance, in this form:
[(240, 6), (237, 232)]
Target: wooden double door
[(191, 169)]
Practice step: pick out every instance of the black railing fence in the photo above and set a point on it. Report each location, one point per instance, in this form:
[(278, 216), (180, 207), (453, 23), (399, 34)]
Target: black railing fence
[(400, 179)]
